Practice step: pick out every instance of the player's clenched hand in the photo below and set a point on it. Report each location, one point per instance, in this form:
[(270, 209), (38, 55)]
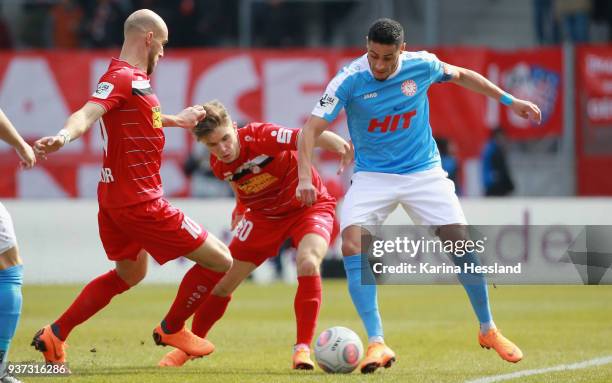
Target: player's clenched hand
[(189, 117), (306, 192), (526, 109), (46, 145), (27, 156), (347, 156)]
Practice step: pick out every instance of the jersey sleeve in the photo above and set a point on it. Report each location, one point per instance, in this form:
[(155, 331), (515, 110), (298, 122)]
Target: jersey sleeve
[(335, 97), (436, 68), (112, 90), (272, 139)]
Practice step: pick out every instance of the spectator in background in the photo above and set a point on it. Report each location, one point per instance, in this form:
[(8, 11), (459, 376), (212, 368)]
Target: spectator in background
[(35, 24), (602, 13), (449, 161), (574, 18), (67, 16), (495, 172), (272, 16), (103, 23), (5, 35), (546, 24)]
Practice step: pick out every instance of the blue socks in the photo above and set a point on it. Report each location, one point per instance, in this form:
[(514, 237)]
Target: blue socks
[(364, 295), (476, 287), (11, 280)]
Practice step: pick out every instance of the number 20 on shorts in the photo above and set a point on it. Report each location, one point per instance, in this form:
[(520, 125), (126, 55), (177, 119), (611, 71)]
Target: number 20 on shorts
[(244, 229)]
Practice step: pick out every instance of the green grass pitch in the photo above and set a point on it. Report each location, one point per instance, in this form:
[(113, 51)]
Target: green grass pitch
[(432, 329)]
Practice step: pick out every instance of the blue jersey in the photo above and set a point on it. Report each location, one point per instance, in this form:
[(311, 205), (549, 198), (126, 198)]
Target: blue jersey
[(388, 120)]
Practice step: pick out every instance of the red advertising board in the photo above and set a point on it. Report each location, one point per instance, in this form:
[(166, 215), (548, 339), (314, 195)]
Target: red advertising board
[(534, 75), (594, 120), (39, 90)]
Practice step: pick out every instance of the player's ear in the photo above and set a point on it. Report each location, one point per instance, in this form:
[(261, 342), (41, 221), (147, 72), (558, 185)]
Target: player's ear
[(403, 47), (235, 126), (149, 38)]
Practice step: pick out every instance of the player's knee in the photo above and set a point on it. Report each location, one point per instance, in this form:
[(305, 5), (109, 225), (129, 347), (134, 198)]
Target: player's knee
[(225, 260), (134, 277), (453, 233), (216, 257), (308, 264), (10, 258), (350, 247)]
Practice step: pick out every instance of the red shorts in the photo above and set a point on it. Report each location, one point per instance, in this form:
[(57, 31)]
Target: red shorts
[(258, 239), (155, 226)]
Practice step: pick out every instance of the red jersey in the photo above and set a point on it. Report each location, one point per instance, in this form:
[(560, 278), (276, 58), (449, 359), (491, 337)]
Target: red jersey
[(132, 136), (265, 173)]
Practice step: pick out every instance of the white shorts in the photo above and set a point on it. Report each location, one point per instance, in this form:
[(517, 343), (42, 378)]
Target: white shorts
[(7, 232), (428, 197)]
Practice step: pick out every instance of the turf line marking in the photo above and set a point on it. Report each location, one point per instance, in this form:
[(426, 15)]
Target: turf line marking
[(561, 367)]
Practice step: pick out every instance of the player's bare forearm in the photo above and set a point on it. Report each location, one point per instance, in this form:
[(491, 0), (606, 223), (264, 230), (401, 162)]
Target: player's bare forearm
[(332, 142), (169, 120), (313, 128), (478, 83), (473, 81), (188, 118), (80, 121), (8, 133), (76, 125)]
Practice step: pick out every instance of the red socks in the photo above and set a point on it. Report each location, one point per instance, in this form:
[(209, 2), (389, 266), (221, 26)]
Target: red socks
[(196, 286), (93, 298), (208, 313), (307, 303)]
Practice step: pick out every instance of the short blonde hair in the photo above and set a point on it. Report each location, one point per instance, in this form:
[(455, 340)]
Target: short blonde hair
[(216, 115)]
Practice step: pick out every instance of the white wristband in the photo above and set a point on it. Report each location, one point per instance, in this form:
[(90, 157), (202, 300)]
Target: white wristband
[(64, 133)]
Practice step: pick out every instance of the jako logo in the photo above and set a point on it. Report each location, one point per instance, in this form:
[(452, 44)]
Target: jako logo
[(392, 120)]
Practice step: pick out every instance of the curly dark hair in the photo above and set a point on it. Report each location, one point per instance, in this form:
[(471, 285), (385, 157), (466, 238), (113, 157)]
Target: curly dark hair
[(386, 31)]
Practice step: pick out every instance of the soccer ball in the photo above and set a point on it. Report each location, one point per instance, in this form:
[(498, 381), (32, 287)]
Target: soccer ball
[(338, 350)]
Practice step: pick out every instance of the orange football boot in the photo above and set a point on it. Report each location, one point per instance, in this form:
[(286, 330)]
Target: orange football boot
[(505, 348), (52, 347), (378, 355), (301, 359), (175, 358), (184, 340)]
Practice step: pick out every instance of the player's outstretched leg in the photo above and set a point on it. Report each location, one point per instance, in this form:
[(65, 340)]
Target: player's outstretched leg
[(213, 260), (11, 279), (50, 340), (311, 250), (211, 310), (475, 285), (195, 287), (365, 300), (207, 314)]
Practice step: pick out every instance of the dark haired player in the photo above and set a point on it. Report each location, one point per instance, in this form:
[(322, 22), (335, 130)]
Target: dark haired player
[(384, 93)]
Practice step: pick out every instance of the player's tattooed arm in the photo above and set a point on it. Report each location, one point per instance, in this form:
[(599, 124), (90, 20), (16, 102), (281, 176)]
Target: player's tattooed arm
[(478, 83), (334, 143), (188, 118), (76, 125), (305, 191)]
